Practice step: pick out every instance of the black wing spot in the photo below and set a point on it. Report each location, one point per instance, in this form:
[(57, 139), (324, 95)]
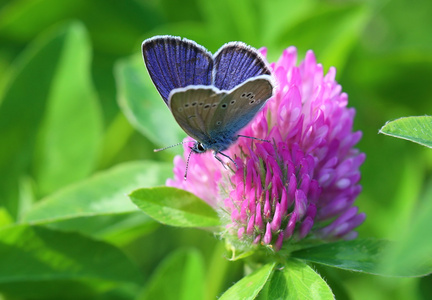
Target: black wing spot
[(224, 105), (233, 101), (190, 117), (218, 123), (252, 102), (207, 106), (194, 103), (214, 104), (186, 105), (243, 95), (201, 104), (180, 109)]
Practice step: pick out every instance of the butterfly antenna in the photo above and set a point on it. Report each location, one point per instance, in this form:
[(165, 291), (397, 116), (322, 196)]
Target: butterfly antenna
[(254, 138), (181, 143), (187, 164)]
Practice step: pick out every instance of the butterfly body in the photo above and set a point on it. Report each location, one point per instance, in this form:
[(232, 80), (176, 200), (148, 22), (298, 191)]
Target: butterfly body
[(212, 97), (215, 142)]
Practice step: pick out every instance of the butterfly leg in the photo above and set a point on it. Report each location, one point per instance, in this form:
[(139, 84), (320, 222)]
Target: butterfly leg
[(220, 160), (223, 154), (253, 138)]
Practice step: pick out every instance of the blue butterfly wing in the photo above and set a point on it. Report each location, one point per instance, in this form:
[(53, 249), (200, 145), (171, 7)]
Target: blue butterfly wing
[(236, 62), (238, 107), (173, 63)]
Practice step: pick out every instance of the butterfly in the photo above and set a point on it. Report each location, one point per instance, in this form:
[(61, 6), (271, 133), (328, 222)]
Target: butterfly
[(212, 97)]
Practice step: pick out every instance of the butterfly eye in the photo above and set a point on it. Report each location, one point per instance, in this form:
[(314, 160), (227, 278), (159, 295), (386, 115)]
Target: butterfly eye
[(201, 147)]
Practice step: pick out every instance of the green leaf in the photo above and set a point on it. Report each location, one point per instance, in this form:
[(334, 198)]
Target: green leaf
[(104, 193), (175, 207), (20, 119), (296, 280), (117, 229), (360, 255), (248, 287), (218, 268), (5, 218), (414, 129), (179, 276), (143, 106), (27, 197), (39, 255), (116, 137), (412, 251), (68, 142)]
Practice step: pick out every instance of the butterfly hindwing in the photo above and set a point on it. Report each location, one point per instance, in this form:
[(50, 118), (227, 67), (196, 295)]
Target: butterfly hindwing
[(173, 63), (236, 62), (238, 107), (193, 106)]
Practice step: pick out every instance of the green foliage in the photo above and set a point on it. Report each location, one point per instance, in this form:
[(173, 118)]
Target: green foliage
[(107, 191), (361, 255), (27, 112), (411, 252), (72, 115), (291, 279), (297, 280), (179, 276), (79, 119), (415, 129), (32, 254), (175, 207), (249, 286)]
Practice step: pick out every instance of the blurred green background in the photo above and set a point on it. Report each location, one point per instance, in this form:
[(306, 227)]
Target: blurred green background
[(71, 72)]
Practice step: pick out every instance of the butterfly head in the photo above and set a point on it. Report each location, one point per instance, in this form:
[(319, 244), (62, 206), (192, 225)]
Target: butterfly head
[(198, 147)]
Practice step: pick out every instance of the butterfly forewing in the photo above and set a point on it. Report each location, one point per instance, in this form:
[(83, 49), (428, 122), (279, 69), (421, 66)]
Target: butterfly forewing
[(193, 106), (240, 105), (174, 63), (236, 62)]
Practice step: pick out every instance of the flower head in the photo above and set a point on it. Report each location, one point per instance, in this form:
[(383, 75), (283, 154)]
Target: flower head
[(305, 180)]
